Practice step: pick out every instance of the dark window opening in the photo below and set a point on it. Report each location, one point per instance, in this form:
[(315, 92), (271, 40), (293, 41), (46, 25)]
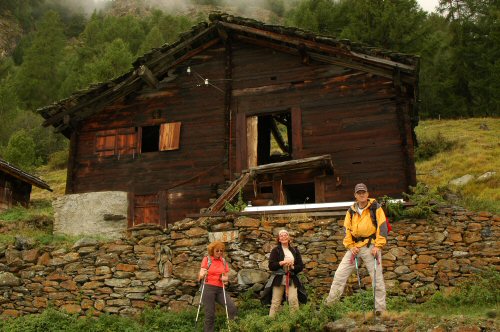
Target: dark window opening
[(266, 190), (274, 138), (301, 193), (150, 139)]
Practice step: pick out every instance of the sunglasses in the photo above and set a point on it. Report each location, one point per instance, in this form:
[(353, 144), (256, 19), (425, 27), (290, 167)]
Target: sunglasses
[(218, 250)]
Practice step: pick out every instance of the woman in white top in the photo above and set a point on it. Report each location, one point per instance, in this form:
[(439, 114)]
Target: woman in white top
[(285, 262)]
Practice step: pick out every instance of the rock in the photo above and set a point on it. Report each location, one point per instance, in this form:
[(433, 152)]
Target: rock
[(341, 325), (426, 259), (24, 243), (9, 279), (247, 222), (251, 276), (30, 256), (71, 308), (403, 269), (117, 282), (458, 253), (461, 181), (486, 176), (147, 275), (12, 255), (85, 242), (168, 283)]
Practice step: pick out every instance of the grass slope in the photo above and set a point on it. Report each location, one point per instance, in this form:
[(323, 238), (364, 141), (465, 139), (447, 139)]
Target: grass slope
[(475, 150)]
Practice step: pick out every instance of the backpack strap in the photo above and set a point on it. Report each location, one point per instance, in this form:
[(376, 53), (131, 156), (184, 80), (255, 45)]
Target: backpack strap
[(373, 212), (373, 216), (209, 262)]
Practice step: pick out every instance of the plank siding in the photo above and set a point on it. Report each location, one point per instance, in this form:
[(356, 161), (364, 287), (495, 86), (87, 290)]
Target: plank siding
[(201, 146), (349, 114)]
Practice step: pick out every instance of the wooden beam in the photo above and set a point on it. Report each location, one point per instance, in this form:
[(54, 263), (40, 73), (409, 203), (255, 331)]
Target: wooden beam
[(339, 61), (147, 76), (314, 45)]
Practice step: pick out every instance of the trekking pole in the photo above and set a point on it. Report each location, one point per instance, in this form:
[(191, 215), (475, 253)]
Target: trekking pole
[(225, 304), (202, 287), (375, 262), (287, 283), (359, 284)]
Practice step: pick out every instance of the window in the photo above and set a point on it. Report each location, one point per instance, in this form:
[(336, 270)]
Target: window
[(164, 137), (124, 141), (150, 139), (269, 138)]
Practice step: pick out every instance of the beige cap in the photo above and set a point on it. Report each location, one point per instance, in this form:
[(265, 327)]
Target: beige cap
[(360, 187)]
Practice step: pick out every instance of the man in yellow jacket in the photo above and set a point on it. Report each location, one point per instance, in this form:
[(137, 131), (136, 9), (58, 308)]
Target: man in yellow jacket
[(364, 240)]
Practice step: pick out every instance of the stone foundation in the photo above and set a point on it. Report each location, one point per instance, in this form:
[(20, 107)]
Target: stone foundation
[(154, 267)]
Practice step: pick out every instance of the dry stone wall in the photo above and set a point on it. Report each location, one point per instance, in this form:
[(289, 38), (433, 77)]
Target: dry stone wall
[(153, 267)]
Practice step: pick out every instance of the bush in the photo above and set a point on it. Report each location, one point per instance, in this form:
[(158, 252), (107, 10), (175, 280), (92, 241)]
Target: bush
[(20, 150), (425, 201), (432, 145), (238, 206)]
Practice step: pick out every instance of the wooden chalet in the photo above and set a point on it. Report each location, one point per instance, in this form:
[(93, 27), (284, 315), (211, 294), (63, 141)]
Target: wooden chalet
[(15, 186), (235, 94)]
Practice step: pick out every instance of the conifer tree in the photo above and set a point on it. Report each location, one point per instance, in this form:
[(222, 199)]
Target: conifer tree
[(38, 80)]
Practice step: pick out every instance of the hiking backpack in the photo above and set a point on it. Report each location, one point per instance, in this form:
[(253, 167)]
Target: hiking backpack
[(209, 262), (373, 214)]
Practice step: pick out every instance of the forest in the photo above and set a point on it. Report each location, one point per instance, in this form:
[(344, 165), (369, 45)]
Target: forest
[(64, 48)]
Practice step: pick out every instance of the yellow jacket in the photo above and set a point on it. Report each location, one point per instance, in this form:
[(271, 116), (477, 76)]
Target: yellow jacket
[(362, 226)]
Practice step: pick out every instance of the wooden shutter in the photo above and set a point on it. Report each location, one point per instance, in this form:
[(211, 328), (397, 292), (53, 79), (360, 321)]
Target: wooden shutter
[(126, 141), (116, 142), (170, 136), (105, 142)]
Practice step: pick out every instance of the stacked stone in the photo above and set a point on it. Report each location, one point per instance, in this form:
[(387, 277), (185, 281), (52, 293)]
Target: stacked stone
[(155, 267)]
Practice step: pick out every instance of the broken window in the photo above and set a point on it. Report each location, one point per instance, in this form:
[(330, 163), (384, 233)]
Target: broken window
[(124, 141), (269, 138), (163, 137)]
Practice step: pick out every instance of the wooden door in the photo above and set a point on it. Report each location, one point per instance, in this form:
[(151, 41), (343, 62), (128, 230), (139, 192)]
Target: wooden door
[(148, 209)]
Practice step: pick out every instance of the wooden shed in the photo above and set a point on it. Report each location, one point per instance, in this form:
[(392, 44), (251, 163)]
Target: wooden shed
[(235, 94), (15, 185)]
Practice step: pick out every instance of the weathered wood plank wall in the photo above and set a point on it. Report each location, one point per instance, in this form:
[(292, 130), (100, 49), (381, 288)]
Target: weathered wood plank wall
[(346, 113), (358, 118)]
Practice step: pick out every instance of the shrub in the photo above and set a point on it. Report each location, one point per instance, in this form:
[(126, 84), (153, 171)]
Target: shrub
[(238, 206), (425, 201), (432, 145), (21, 150)]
